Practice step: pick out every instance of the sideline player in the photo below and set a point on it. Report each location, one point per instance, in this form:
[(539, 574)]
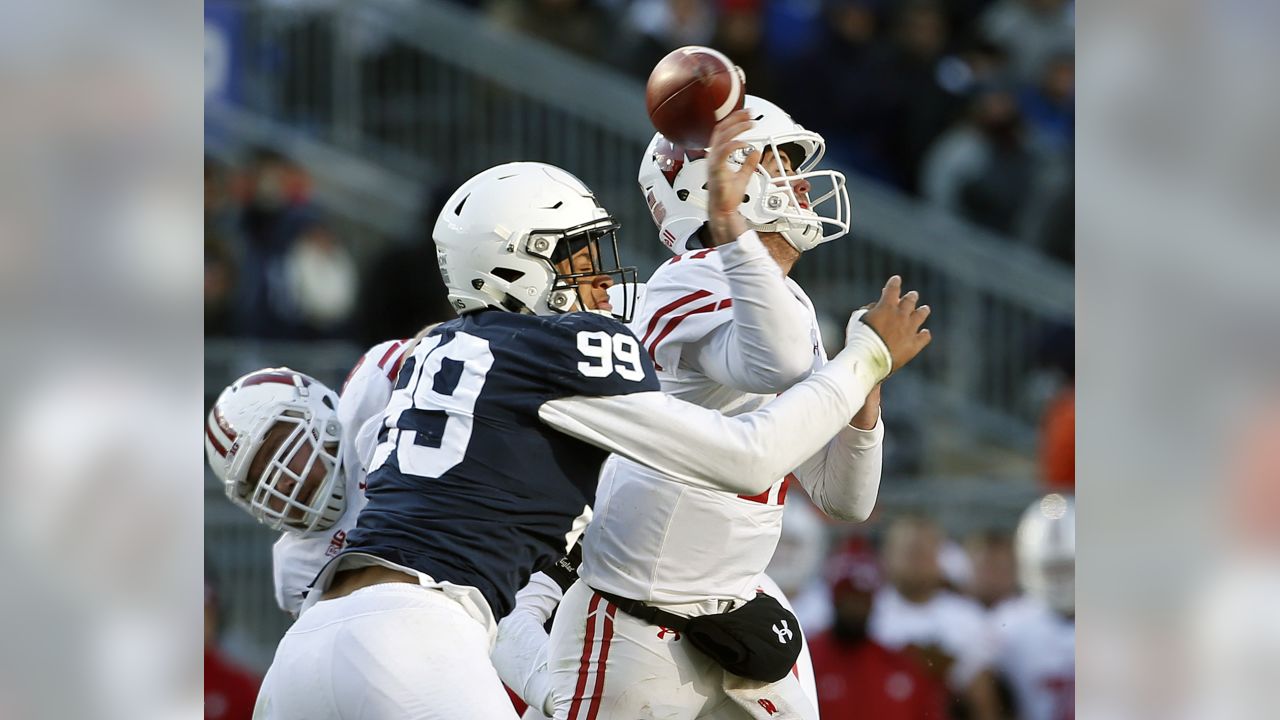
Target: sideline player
[(490, 450), (731, 347), (1036, 633)]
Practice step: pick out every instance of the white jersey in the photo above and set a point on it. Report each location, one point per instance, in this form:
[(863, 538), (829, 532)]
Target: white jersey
[(1036, 653), (949, 621), (730, 348), (296, 557)]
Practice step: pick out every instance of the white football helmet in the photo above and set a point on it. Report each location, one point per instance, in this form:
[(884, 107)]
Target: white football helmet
[(501, 233), (1046, 548), (674, 182), (299, 411)]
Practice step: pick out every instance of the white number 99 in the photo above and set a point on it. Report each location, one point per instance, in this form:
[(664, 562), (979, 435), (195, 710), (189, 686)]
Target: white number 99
[(607, 354)]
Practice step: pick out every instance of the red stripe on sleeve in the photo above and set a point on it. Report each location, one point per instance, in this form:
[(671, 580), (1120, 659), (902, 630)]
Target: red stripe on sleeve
[(395, 367), (675, 322), (662, 311), (382, 364)]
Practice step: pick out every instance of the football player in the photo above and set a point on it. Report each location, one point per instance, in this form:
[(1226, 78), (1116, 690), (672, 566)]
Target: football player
[(490, 449), (731, 346), (287, 450), (241, 424), (1036, 634)]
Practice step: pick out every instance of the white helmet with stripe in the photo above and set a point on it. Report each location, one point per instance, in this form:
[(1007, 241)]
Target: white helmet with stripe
[(1046, 549), (273, 439), (674, 182)]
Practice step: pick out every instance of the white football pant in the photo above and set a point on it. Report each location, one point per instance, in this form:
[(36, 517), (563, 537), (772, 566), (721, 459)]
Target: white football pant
[(391, 651), (607, 664)]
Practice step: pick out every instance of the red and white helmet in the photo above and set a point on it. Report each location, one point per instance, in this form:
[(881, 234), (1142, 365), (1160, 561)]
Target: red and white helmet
[(238, 429), (674, 182), (1046, 548)]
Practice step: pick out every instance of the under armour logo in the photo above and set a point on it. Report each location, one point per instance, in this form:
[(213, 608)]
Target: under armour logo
[(662, 634), (768, 706), (784, 633)]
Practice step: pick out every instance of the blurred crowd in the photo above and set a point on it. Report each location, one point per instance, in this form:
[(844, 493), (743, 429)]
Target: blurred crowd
[(276, 267), (967, 103), (906, 622)]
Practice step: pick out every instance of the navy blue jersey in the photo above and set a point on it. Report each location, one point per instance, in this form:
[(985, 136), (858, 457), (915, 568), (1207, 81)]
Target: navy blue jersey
[(468, 485)]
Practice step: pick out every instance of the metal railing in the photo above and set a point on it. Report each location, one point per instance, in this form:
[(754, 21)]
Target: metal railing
[(429, 92)]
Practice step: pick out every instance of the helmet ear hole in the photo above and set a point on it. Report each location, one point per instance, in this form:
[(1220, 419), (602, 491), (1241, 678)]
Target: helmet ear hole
[(683, 193), (509, 274)]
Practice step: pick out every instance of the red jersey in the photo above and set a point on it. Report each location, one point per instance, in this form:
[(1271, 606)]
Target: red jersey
[(868, 680), (229, 691)]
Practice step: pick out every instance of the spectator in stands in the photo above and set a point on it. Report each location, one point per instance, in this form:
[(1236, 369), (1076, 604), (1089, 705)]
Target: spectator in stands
[(402, 290), (995, 568), (740, 35), (219, 284), (858, 677), (653, 28), (791, 27), (275, 211), (1032, 30), (229, 690), (945, 632), (1049, 105), (322, 282), (983, 169), (220, 209), (843, 88), (922, 108), (579, 26)]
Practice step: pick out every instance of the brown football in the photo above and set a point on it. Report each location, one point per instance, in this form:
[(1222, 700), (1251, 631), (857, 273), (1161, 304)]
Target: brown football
[(690, 90)]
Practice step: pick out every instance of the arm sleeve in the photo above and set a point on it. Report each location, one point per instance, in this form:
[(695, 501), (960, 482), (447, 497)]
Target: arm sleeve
[(295, 560), (520, 650), (744, 454), (766, 348), (368, 386), (843, 478)]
